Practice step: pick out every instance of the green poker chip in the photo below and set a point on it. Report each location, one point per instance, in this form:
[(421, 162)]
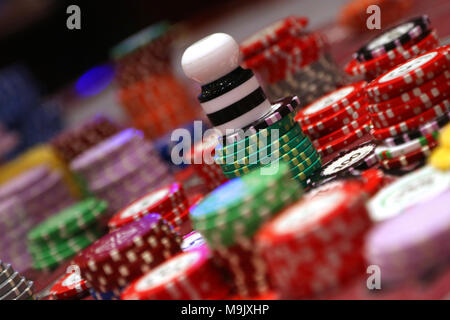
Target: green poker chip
[(237, 192), (69, 221), (274, 156), (241, 205), (49, 261), (75, 243), (258, 147), (228, 234), (308, 172), (299, 165), (282, 127), (285, 143)]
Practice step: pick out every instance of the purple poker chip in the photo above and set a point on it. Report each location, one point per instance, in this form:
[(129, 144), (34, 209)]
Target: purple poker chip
[(109, 148), (22, 183), (134, 187), (119, 170), (412, 243), (12, 214)]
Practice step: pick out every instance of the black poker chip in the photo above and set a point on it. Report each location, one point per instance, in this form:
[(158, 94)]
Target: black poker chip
[(393, 38)]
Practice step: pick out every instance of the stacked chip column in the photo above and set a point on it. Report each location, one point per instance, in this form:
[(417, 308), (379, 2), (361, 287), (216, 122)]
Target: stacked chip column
[(254, 132), (291, 61)]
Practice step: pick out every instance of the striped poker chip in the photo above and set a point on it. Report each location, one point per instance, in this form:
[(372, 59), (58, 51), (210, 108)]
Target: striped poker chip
[(17, 290), (187, 276), (350, 159), (331, 225), (344, 141), (27, 293), (288, 27), (408, 253), (426, 129), (331, 103), (413, 123), (161, 201), (408, 158), (375, 67), (393, 38), (5, 272), (385, 153), (410, 74), (10, 283)]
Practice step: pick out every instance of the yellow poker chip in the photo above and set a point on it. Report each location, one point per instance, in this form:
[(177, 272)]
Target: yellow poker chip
[(440, 158), (444, 139)]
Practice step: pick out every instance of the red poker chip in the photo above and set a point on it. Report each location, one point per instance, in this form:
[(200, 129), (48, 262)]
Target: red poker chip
[(161, 201), (343, 131), (377, 66), (331, 103), (403, 112), (278, 61), (203, 151), (266, 37), (412, 73), (127, 252), (374, 180), (412, 123), (428, 88), (70, 286), (316, 238), (246, 266), (343, 142), (409, 158), (187, 276), (335, 121)]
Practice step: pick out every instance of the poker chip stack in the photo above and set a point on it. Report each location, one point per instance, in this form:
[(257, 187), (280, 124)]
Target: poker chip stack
[(169, 201), (291, 61), (416, 242), (121, 169), (115, 260), (149, 91), (315, 245), (229, 216), (40, 155), (408, 106), (440, 158), (13, 286), (201, 157), (63, 235), (336, 120), (253, 132), (24, 202), (190, 275), (72, 142), (393, 47)]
